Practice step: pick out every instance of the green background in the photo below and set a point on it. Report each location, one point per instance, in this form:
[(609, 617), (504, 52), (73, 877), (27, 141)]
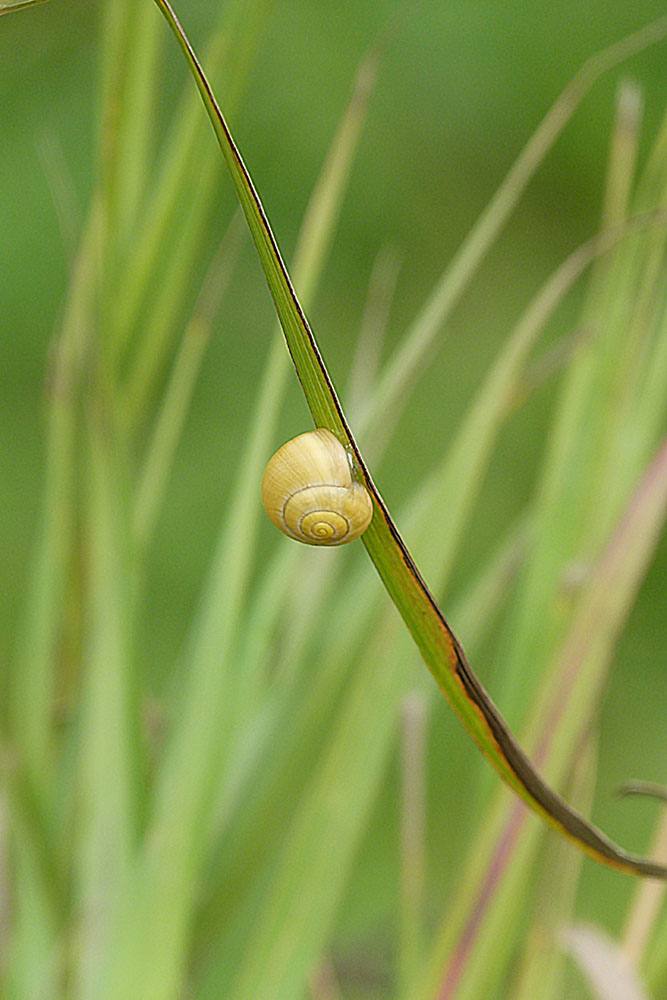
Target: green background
[(462, 86)]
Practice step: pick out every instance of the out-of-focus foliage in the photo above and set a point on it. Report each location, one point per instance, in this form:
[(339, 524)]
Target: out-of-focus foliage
[(183, 764)]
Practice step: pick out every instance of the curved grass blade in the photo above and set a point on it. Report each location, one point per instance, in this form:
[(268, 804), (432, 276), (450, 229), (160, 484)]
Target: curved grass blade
[(475, 936), (649, 788), (433, 636)]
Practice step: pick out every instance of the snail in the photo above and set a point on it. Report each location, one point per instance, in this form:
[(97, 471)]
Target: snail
[(309, 493)]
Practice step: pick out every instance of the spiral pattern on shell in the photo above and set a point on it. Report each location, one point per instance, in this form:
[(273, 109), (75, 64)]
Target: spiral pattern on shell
[(308, 491)]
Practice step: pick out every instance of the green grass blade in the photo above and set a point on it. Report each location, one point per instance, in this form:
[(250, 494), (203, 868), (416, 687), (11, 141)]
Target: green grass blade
[(197, 752), (34, 679), (33, 965), (641, 943), (475, 935), (162, 321), (622, 155), (434, 638), (656, 964), (298, 721), (412, 923), (366, 363), (603, 436), (109, 747), (170, 420), (318, 224), (114, 37), (291, 947), (163, 200), (312, 246), (458, 477), (136, 126), (199, 749), (318, 850), (401, 372), (541, 965), (186, 211)]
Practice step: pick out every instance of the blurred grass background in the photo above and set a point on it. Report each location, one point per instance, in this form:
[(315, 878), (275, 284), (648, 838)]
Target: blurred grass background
[(461, 88)]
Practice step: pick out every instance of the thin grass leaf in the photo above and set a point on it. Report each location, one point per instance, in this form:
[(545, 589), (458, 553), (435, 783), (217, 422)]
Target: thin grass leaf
[(170, 420), (136, 126), (32, 827), (279, 776), (63, 192), (34, 964), (412, 918), (34, 678), (32, 956), (199, 748), (234, 41), (163, 200), (540, 970), (630, 430), (395, 566), (458, 478), (317, 852), (366, 361), (474, 940), (549, 365), (593, 458), (109, 747), (314, 855), (5, 866), (312, 247), (623, 154), (649, 788), (656, 960), (173, 261), (162, 321), (644, 910), (400, 374), (115, 36)]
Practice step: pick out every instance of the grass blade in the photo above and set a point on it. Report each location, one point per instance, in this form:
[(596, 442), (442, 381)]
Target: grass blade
[(136, 124), (413, 828), (401, 372), (436, 642), (170, 420), (310, 711), (541, 968), (475, 937), (110, 753), (34, 679)]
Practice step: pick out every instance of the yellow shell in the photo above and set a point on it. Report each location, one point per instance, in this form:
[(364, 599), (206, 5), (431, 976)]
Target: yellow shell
[(308, 491)]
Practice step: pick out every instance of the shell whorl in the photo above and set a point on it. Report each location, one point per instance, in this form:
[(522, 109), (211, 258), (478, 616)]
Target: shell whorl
[(308, 491)]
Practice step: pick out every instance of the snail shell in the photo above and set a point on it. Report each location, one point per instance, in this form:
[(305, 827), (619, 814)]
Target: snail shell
[(308, 491)]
